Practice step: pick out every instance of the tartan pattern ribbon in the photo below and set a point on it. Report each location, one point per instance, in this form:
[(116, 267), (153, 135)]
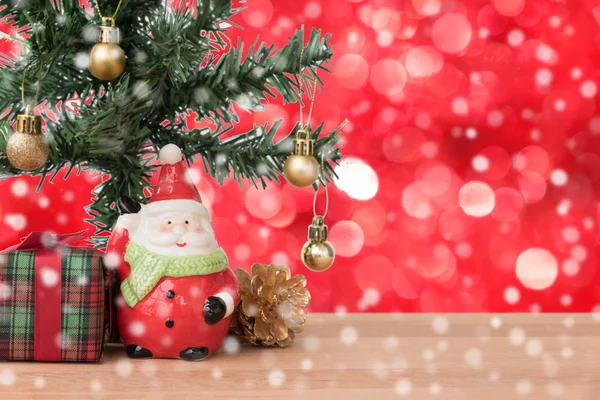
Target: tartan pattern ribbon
[(84, 321)]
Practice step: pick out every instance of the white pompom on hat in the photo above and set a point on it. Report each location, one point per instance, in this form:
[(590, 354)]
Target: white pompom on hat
[(170, 154), (174, 189)]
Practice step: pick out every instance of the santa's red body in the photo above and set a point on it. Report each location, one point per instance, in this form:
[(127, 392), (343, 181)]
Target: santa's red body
[(170, 318)]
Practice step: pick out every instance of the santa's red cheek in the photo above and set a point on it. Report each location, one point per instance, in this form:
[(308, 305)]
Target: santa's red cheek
[(198, 230)]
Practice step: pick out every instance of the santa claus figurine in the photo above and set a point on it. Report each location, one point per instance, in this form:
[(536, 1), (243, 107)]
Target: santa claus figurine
[(177, 291)]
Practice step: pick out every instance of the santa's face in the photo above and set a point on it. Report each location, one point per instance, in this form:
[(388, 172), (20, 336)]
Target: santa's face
[(176, 233)]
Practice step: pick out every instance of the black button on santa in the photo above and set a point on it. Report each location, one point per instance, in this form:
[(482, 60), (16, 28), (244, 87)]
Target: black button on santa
[(177, 291)]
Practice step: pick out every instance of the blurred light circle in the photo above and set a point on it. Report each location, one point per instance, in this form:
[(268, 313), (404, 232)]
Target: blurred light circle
[(537, 268), (374, 271), (515, 38), (495, 119), (357, 179), (455, 225), (260, 14), (423, 62), (532, 186), (570, 267), (546, 54), (404, 145), (351, 71), (347, 237), (463, 250), (427, 8), (588, 89), (509, 205), (559, 177), (402, 286), (371, 218), (543, 77), (460, 106), (579, 253), (436, 180), (512, 295), (433, 261), (415, 202), (476, 199), (264, 204), (451, 33), (480, 163), (312, 10), (509, 8), (532, 159), (571, 234), (388, 77), (498, 163)]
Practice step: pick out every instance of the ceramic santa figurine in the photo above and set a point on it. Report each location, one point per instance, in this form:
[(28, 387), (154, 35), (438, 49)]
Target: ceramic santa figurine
[(177, 292)]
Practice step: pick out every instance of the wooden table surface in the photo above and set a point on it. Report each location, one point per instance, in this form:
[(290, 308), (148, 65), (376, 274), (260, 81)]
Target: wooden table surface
[(354, 356)]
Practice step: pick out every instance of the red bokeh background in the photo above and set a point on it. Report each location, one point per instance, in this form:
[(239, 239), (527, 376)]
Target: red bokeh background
[(471, 170)]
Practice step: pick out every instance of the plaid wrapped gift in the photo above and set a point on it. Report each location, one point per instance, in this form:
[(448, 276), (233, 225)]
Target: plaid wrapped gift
[(54, 301)]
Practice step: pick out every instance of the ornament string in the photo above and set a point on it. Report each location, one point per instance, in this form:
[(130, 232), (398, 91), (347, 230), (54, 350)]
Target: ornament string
[(312, 97), (114, 14), (317, 192), (37, 90)]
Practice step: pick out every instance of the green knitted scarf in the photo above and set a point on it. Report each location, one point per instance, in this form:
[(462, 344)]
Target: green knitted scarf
[(147, 268)]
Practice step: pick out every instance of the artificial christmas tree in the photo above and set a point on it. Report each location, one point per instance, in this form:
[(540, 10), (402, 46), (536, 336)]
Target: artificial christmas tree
[(178, 58)]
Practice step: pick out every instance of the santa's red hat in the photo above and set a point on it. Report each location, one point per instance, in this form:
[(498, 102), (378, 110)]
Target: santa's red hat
[(174, 189)]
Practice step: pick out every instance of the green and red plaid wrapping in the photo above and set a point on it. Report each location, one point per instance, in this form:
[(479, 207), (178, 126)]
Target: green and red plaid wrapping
[(83, 287)]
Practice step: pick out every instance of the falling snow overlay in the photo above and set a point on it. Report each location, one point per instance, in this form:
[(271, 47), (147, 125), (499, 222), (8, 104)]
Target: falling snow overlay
[(470, 177)]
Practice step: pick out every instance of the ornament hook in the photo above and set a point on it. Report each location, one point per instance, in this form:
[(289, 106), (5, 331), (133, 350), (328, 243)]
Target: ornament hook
[(318, 189)]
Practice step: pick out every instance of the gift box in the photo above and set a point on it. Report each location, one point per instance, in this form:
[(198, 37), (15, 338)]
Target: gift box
[(55, 300)]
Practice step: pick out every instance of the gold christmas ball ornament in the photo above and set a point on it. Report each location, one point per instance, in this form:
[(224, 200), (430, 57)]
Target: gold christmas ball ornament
[(318, 253), (107, 58), (27, 149), (301, 169)]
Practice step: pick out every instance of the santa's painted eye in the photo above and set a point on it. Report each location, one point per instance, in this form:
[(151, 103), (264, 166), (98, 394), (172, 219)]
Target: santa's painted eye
[(169, 222), (187, 222)]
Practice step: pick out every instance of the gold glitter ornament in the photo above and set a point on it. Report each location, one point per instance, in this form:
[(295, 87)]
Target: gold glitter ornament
[(27, 148)]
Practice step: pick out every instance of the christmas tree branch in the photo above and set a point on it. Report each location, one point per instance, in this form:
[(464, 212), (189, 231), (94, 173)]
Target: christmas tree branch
[(249, 82)]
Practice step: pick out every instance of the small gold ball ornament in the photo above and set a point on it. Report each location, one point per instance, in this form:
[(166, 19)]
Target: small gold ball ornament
[(27, 148), (301, 169), (107, 58), (318, 254)]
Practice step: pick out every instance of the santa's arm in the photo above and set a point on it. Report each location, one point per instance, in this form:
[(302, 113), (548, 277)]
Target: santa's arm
[(221, 304), (119, 240), (117, 245)]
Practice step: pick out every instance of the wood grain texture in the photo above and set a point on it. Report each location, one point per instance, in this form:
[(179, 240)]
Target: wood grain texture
[(358, 356)]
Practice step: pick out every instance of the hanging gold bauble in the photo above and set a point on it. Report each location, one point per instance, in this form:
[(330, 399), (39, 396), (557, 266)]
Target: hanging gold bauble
[(27, 148), (318, 254), (301, 169), (107, 58)]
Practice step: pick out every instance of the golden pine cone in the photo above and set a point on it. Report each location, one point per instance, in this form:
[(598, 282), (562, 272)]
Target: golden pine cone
[(270, 312)]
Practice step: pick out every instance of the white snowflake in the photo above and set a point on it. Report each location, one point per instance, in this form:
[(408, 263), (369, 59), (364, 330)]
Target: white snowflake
[(49, 277), (231, 345), (7, 377), (124, 367), (39, 382), (403, 387), (349, 335), (276, 378)]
